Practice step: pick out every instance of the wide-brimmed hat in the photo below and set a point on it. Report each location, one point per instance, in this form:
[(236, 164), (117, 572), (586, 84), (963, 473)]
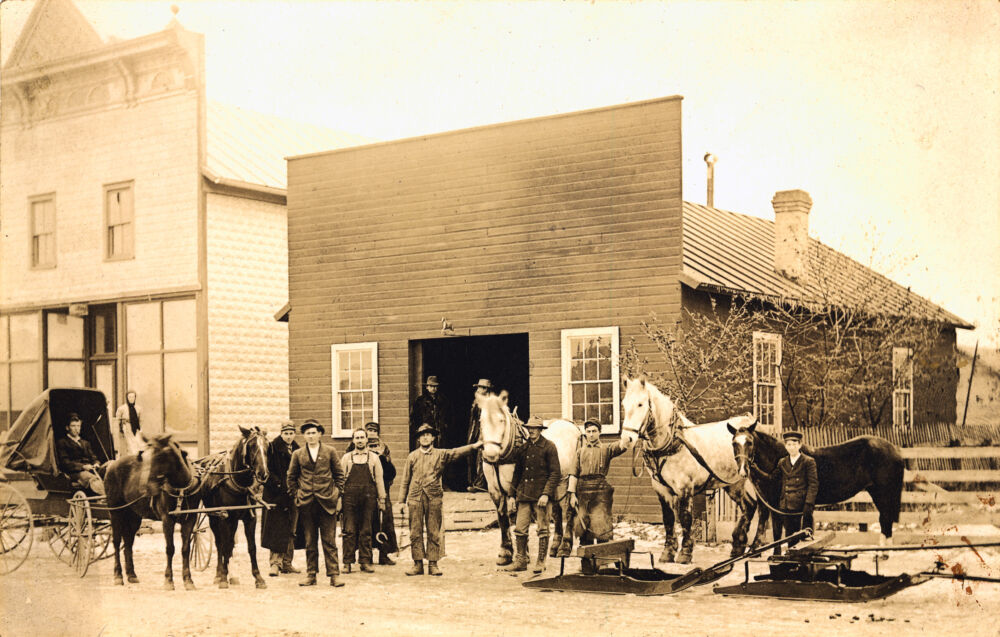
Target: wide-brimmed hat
[(310, 424), (792, 435), (591, 422), (288, 426), (484, 383), (536, 421), (433, 381), (426, 429)]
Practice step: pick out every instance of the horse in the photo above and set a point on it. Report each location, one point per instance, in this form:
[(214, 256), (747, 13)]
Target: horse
[(502, 434), (684, 459), (151, 484), (866, 463), (242, 470)]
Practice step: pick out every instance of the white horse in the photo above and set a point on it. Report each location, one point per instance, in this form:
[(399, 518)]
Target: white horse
[(684, 459), (502, 434)]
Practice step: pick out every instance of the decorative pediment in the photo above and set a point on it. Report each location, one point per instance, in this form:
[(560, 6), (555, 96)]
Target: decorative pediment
[(55, 30)]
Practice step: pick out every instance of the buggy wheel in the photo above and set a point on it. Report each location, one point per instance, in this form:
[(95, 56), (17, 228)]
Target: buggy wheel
[(81, 531), (102, 541), (61, 542), (201, 543), (16, 529)]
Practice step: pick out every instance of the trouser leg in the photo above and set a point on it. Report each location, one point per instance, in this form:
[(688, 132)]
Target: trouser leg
[(308, 520), (416, 507), (328, 537), (351, 509), (542, 515), (433, 514), (364, 531)]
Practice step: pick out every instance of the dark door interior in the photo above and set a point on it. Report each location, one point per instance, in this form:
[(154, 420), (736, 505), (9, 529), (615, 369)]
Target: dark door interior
[(459, 363)]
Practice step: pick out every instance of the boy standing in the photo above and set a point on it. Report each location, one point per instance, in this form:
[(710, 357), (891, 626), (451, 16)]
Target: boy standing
[(799, 486)]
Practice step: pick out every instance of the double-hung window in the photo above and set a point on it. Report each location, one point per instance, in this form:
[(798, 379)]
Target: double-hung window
[(902, 386), (43, 231), (590, 377), (355, 386), (119, 215), (766, 382)]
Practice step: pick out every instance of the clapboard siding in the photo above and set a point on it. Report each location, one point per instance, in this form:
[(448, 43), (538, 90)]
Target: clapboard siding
[(533, 227)]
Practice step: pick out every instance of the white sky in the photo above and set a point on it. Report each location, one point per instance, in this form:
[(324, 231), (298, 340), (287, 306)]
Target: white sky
[(887, 114)]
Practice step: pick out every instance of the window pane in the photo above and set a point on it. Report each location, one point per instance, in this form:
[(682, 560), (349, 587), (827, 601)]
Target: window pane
[(579, 413), (66, 374), (592, 393), (343, 363), (24, 338), (607, 392), (590, 370), (4, 388), (604, 369), (579, 394), (576, 371), (103, 335), (65, 336), (25, 384), (576, 348), (180, 382), (144, 377), (179, 330), (143, 326), (4, 352), (345, 401), (607, 414)]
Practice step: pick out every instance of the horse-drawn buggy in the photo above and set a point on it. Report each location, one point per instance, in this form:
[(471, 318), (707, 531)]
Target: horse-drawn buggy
[(36, 495)]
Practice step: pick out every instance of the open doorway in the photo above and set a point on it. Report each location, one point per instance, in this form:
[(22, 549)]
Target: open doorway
[(458, 363)]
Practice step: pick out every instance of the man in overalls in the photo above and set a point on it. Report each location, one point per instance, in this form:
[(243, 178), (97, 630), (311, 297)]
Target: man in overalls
[(590, 494), (364, 490)]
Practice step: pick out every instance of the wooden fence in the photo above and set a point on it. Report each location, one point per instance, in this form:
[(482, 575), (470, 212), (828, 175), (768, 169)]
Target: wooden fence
[(945, 488)]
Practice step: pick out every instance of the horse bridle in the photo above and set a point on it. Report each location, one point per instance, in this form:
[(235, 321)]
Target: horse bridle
[(243, 452), (749, 459), (506, 447)]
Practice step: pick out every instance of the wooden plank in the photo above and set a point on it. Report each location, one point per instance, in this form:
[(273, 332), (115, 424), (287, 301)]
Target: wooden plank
[(903, 538), (944, 497), (950, 452), (911, 517), (961, 475)]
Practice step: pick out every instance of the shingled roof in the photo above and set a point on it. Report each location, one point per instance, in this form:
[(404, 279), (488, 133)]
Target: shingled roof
[(733, 253)]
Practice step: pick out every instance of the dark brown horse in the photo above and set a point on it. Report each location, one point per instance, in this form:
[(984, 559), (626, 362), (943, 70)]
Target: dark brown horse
[(236, 483), (151, 485), (865, 463)]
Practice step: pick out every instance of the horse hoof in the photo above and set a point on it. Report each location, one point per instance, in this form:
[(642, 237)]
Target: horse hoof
[(261, 584), (132, 579), (189, 586), (119, 581), (504, 560), (667, 556), (168, 586), (235, 581), (684, 558), (223, 584)]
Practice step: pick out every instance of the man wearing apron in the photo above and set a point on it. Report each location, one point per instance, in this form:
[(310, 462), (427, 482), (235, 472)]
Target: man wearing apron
[(364, 489)]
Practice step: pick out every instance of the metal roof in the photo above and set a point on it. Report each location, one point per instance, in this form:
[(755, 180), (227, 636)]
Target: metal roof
[(733, 253), (250, 147)]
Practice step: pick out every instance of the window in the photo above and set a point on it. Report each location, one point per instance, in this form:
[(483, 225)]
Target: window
[(902, 387), (20, 364), (119, 216), (43, 231), (766, 383), (355, 386), (590, 381), (64, 349)]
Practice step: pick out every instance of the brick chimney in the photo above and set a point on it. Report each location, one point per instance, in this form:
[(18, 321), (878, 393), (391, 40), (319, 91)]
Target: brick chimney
[(791, 233)]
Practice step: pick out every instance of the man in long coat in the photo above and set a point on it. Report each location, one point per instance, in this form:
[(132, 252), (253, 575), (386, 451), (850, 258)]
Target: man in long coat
[(430, 407), (799, 486), (278, 526)]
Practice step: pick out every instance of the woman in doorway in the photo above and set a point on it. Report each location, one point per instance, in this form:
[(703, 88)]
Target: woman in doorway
[(128, 419)]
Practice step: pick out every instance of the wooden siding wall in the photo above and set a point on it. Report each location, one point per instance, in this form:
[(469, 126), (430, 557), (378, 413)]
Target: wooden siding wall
[(536, 226)]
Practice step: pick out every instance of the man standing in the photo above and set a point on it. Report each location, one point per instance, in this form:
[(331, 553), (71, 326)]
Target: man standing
[(315, 480), (278, 527), (590, 495), (799, 486), (383, 526), (128, 417), (536, 476), (430, 407), (364, 491), (424, 496), (476, 481), (76, 458)]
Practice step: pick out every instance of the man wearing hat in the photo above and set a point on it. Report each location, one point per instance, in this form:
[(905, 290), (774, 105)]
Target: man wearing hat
[(799, 485), (430, 407), (315, 480), (536, 476), (277, 531), (383, 525), (75, 457), (424, 497), (476, 480), (590, 495)]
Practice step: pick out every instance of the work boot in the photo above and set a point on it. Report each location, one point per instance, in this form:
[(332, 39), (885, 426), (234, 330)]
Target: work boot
[(347, 569), (367, 568), (520, 554), (288, 568), (432, 569), (385, 560), (334, 582), (310, 580), (417, 568), (274, 570), (543, 549)]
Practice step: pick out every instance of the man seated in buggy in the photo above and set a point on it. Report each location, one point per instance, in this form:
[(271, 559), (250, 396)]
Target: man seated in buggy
[(76, 458)]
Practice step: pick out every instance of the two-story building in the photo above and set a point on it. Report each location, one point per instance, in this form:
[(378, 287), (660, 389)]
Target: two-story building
[(142, 230)]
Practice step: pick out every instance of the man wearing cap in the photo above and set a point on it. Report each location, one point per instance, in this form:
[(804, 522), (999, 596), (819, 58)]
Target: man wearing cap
[(277, 531), (430, 407), (476, 480), (799, 486), (75, 457), (315, 481), (424, 496), (536, 476), (590, 494)]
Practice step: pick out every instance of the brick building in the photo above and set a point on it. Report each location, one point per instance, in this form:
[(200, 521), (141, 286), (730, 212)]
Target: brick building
[(143, 241)]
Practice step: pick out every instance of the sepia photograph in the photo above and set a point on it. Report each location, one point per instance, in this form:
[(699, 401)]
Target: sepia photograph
[(499, 318)]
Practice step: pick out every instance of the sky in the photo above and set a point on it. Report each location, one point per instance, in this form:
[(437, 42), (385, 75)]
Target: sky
[(888, 114)]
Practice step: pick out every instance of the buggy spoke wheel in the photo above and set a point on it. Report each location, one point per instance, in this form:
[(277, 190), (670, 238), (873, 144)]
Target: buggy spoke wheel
[(62, 542), (16, 529), (201, 544), (81, 528), (102, 541)]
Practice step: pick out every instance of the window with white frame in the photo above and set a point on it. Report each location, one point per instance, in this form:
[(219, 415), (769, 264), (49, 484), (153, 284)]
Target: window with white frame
[(119, 214), (43, 231), (355, 386), (766, 383), (902, 386), (590, 378)]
